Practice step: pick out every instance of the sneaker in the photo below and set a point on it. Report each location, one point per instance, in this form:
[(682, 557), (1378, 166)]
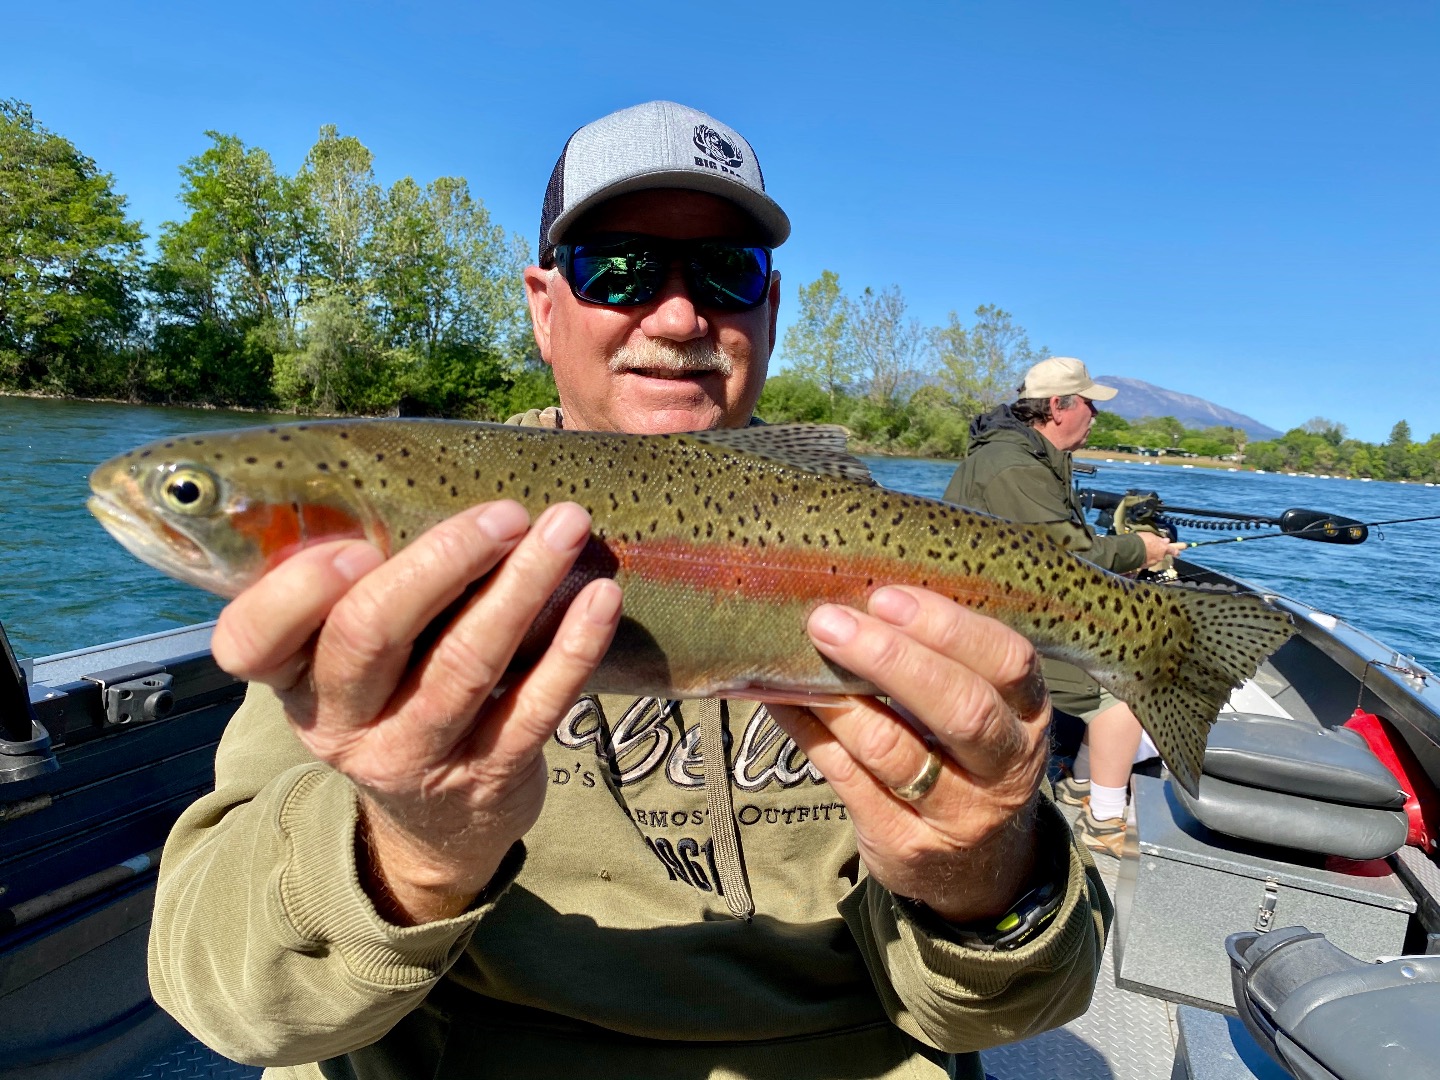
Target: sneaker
[(1106, 836), (1072, 792)]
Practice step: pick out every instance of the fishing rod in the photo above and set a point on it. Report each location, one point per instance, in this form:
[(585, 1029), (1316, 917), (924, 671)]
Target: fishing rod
[(1306, 535), (1137, 507)]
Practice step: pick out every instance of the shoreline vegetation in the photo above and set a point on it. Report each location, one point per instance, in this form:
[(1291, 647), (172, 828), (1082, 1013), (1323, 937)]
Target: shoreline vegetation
[(324, 293)]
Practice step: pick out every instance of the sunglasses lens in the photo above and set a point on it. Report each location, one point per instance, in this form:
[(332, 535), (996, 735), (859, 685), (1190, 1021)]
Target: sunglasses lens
[(730, 277), (616, 275), (623, 271)]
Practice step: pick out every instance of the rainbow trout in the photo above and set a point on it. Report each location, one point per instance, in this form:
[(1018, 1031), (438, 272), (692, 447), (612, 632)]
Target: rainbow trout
[(721, 541)]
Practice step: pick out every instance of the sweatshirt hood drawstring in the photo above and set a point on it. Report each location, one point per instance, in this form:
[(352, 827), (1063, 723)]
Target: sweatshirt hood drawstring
[(729, 861)]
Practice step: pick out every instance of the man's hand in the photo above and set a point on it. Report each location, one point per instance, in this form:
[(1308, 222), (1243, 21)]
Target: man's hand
[(967, 686), (1157, 547), (449, 777)]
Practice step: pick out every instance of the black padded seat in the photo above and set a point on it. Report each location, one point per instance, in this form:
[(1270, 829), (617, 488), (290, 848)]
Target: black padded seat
[(1285, 755), (1281, 782)]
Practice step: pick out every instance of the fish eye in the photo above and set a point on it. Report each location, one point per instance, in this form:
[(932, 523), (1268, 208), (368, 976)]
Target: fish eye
[(188, 490)]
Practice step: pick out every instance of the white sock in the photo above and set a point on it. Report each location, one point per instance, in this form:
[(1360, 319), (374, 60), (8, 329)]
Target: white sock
[(1106, 802), (1081, 768)]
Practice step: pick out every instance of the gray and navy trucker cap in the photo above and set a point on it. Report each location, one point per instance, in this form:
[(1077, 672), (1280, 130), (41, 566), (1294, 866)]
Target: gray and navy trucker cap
[(656, 145)]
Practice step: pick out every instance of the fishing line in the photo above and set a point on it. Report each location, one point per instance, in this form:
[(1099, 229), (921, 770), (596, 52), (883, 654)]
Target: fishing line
[(1317, 530)]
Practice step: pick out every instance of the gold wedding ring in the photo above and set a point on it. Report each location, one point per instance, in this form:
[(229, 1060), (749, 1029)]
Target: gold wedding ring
[(923, 782)]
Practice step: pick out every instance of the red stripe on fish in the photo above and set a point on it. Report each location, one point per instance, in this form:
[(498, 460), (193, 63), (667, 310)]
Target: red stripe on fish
[(788, 575)]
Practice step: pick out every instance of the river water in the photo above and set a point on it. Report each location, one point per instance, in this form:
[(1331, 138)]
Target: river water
[(65, 584)]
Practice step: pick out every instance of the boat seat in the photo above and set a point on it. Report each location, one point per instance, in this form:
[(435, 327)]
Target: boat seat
[(1324, 1015), (1278, 781)]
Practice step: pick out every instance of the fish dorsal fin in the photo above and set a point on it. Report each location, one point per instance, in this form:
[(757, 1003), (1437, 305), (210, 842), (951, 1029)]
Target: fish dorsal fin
[(816, 448)]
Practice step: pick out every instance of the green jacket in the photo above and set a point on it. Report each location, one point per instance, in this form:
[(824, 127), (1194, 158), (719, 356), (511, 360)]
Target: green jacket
[(603, 949), (1014, 472)]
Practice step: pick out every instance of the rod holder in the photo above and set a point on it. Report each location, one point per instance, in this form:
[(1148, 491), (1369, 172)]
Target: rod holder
[(24, 743)]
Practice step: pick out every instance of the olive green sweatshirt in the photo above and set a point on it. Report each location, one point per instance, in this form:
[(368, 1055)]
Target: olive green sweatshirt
[(1014, 472), (604, 948)]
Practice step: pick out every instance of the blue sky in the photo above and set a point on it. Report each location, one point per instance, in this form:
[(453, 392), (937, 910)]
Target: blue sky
[(1234, 200)]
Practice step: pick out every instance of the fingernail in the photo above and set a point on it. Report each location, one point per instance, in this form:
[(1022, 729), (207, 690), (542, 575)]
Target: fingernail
[(503, 521), (604, 604), (833, 625), (566, 529), (357, 560), (895, 606)]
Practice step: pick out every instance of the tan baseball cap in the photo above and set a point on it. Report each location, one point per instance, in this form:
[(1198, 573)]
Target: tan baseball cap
[(1060, 376)]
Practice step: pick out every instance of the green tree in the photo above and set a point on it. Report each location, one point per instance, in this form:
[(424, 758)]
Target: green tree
[(790, 397), (816, 345), (69, 263), (447, 289), (888, 345), (1329, 430), (339, 366), (338, 181), (1110, 430), (247, 231), (1396, 454), (230, 278), (981, 366), (936, 428)]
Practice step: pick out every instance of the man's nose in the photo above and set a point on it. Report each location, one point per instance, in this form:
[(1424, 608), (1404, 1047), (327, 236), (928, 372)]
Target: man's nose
[(674, 315)]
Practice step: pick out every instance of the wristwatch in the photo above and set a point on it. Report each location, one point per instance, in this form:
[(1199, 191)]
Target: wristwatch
[(1026, 919)]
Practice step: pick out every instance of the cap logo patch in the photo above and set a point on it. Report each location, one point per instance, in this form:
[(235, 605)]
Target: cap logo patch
[(716, 147)]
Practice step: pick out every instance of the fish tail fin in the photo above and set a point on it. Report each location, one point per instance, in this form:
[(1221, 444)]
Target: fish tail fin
[(1220, 641)]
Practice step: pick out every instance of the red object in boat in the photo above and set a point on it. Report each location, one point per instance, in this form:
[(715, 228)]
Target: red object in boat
[(1422, 801)]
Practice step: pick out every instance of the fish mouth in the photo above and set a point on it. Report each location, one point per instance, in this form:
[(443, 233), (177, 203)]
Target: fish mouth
[(153, 541)]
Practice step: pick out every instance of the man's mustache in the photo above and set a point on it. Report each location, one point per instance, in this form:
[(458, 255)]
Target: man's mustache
[(680, 357)]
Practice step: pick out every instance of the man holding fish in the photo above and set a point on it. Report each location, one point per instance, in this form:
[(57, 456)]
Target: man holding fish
[(416, 865)]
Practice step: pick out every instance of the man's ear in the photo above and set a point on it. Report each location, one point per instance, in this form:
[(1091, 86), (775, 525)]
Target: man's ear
[(538, 282)]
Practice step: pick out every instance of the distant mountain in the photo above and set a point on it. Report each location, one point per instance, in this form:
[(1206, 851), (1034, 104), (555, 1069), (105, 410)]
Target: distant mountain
[(1139, 399)]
